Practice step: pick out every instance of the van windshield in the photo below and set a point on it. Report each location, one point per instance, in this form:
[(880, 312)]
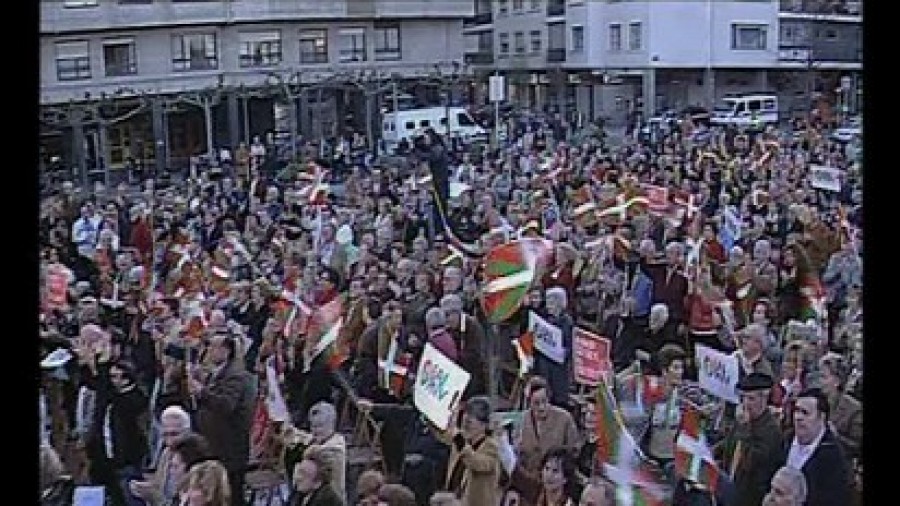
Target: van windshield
[(464, 120), (725, 106)]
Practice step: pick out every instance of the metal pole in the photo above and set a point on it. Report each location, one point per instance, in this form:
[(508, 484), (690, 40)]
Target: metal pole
[(396, 107), (496, 124), (245, 106), (207, 111), (102, 157), (447, 109), (369, 132), (293, 102)]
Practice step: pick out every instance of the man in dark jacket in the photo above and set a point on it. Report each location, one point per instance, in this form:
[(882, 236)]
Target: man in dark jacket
[(224, 410), (557, 374), (814, 450), (312, 482), (754, 446), (470, 341)]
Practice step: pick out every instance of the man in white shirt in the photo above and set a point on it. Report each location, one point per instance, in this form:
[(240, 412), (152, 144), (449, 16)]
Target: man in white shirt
[(815, 452), (86, 230)]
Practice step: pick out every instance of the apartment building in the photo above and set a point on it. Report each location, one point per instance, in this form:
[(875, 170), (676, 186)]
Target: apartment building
[(614, 58), (161, 80)]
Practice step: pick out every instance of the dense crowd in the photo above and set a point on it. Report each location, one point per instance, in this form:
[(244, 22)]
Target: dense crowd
[(214, 338)]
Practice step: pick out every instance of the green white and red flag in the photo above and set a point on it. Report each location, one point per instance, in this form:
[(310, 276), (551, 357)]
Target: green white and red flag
[(509, 271), (322, 331), (693, 459)]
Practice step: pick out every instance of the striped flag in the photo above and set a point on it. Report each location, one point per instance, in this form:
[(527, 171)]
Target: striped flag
[(637, 481), (509, 270), (321, 333), (693, 458), (524, 346)]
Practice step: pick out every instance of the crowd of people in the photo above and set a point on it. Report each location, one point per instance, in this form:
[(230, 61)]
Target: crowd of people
[(197, 334)]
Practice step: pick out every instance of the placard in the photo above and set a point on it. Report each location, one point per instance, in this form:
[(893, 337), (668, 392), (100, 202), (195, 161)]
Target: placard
[(825, 178), (439, 386), (718, 373), (548, 338), (590, 358)]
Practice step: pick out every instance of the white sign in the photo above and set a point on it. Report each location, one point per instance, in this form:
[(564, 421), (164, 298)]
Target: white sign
[(497, 88), (89, 496), (277, 408), (439, 386), (548, 339), (825, 178), (718, 373)]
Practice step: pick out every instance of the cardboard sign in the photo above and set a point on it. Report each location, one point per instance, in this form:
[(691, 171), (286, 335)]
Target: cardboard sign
[(718, 373), (825, 178), (439, 386), (797, 330), (658, 197), (548, 339), (591, 358)]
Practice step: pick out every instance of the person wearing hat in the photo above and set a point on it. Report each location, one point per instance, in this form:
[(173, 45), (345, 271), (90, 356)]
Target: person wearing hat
[(752, 451)]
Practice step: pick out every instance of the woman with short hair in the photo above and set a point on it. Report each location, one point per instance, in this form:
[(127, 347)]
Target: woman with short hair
[(206, 484)]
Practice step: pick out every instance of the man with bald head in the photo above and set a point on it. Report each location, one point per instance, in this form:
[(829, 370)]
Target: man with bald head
[(469, 336)]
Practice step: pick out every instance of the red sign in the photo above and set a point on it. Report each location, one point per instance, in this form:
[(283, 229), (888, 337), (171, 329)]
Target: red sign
[(591, 353)]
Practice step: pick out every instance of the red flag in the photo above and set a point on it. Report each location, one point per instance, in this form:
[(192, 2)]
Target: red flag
[(693, 458)]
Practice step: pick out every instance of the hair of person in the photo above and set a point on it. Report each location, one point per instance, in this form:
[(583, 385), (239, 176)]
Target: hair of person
[(324, 412), (821, 400), (211, 478), (479, 407), (559, 292), (451, 301), (192, 448), (567, 465), (435, 318), (443, 498), (51, 467), (126, 367), (798, 482), (177, 413), (670, 353), (324, 470), (395, 494), (230, 344), (836, 365), (535, 384), (369, 482)]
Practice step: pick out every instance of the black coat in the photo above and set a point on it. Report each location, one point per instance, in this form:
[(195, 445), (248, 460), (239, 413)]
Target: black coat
[(827, 473), (224, 415), (761, 457), (127, 414), (322, 496)]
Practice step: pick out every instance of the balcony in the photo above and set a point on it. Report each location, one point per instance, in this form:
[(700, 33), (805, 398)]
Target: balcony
[(480, 57), (556, 55), (555, 8), (822, 53), (484, 18), (835, 7)]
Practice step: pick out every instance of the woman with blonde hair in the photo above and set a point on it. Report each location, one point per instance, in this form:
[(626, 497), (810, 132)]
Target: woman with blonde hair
[(206, 484)]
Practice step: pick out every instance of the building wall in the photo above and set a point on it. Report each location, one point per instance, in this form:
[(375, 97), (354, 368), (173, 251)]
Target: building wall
[(423, 43)]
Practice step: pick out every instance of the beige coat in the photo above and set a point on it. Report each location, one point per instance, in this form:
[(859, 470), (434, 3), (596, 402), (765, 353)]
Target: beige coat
[(479, 484), (558, 431), (335, 451), (847, 416)]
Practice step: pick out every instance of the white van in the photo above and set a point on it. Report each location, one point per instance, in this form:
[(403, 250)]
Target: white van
[(744, 110), (411, 123)]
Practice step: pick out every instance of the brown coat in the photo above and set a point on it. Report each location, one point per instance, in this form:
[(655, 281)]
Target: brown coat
[(224, 414), (479, 484), (558, 431)]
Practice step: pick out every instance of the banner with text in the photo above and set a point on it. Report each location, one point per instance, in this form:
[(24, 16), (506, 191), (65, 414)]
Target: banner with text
[(439, 386), (548, 338), (825, 178), (591, 358), (718, 373)]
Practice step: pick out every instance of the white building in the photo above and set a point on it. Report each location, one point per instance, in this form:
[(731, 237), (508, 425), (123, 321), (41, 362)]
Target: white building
[(145, 56), (608, 57)]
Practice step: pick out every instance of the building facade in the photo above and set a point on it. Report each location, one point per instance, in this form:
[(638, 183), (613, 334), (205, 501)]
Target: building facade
[(162, 80), (619, 58)]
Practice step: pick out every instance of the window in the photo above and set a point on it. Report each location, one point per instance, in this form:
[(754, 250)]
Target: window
[(754, 105), (748, 37), (424, 123), (387, 42), (464, 120), (520, 42), (79, 3), (831, 34), (768, 105), (502, 7), (504, 43), (518, 5), (196, 51), (73, 60), (126, 2), (615, 37), (577, 39), (120, 57), (535, 5), (410, 125), (536, 41), (634, 36), (352, 44), (314, 45), (260, 49)]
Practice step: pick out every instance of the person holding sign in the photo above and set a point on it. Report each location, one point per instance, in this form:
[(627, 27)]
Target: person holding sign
[(555, 369), (474, 465)]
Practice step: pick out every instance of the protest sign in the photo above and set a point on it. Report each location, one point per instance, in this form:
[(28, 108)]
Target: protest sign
[(718, 373), (547, 338), (439, 385), (658, 197), (591, 357), (825, 178), (806, 331)]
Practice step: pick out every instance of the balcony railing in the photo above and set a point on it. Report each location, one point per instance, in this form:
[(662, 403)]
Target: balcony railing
[(839, 53), (480, 57), (556, 9), (556, 55), (844, 7), (485, 18)]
